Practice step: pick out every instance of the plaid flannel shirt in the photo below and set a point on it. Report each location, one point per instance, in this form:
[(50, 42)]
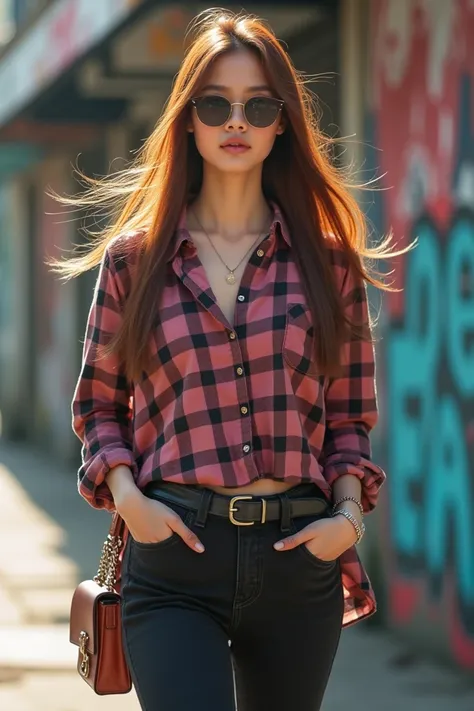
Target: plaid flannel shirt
[(229, 403)]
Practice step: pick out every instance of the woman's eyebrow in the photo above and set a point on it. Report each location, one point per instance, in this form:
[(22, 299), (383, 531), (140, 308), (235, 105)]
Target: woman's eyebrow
[(221, 87)]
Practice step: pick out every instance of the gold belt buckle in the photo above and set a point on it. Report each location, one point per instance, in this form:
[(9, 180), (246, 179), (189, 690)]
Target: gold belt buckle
[(233, 510)]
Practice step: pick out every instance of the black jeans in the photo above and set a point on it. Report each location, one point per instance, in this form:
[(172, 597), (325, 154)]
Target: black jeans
[(238, 625)]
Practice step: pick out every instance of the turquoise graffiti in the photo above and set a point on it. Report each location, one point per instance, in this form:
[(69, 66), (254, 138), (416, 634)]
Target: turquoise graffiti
[(430, 360)]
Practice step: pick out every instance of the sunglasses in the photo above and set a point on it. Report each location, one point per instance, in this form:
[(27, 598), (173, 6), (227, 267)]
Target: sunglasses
[(259, 111)]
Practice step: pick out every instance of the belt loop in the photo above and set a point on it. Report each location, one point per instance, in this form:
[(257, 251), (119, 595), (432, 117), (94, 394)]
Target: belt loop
[(285, 519), (204, 506)]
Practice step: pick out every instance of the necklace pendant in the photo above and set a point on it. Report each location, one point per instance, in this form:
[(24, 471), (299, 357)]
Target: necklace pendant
[(230, 278)]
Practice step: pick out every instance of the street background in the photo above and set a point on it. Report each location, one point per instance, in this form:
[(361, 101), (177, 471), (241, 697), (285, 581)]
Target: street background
[(82, 83)]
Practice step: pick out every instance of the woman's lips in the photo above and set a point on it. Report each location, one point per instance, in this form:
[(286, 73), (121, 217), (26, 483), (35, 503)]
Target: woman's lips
[(235, 149)]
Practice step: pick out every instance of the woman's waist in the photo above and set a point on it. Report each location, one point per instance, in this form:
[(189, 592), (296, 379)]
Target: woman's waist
[(269, 489), (253, 476), (261, 487), (243, 509)]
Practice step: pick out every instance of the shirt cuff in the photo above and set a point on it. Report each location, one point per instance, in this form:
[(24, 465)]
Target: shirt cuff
[(371, 477), (91, 476)]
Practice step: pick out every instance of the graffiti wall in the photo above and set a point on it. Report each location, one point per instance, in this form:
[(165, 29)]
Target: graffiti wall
[(422, 127)]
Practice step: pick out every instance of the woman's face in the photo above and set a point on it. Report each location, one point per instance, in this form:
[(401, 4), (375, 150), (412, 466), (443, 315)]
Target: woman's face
[(237, 76)]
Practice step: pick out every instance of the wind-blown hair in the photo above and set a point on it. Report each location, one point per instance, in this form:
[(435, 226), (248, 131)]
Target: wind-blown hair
[(299, 175)]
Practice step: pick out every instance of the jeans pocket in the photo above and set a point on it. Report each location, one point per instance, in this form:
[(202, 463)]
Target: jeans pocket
[(185, 515), (297, 524), (155, 545)]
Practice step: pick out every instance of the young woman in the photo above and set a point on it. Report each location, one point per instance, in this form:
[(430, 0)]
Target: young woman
[(227, 388)]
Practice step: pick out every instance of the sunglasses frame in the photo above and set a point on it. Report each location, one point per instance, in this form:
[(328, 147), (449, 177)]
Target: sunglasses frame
[(238, 103)]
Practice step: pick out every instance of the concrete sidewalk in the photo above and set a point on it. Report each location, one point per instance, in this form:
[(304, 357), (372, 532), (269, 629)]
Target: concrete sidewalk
[(51, 539)]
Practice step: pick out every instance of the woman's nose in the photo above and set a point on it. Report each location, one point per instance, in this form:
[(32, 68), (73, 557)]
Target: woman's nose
[(237, 117)]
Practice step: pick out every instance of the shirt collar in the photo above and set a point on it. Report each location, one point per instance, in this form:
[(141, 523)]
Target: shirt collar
[(182, 233)]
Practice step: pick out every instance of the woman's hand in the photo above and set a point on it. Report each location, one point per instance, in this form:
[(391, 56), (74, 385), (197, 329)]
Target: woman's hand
[(151, 521), (148, 521), (326, 539)]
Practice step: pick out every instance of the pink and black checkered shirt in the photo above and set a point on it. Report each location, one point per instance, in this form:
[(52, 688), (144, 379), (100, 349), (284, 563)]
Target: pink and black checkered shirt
[(226, 404)]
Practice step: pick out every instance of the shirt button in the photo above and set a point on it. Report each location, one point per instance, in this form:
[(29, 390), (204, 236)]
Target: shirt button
[(244, 410), (246, 448), (241, 297), (260, 253), (240, 371), (232, 336)]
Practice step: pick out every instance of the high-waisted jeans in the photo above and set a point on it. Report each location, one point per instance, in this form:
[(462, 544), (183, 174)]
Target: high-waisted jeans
[(238, 626)]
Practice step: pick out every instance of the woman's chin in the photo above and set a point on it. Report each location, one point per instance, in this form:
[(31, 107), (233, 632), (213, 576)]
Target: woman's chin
[(231, 165)]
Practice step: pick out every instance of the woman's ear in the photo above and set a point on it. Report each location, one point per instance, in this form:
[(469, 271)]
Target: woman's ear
[(189, 123), (281, 126)]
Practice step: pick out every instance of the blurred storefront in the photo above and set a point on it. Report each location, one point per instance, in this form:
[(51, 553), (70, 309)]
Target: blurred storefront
[(83, 82)]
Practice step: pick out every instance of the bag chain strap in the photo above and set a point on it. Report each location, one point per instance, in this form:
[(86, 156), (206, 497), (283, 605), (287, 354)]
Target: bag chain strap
[(109, 560)]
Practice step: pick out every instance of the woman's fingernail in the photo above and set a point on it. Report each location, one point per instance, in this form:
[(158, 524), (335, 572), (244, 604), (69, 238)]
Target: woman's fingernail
[(199, 547), (279, 545)]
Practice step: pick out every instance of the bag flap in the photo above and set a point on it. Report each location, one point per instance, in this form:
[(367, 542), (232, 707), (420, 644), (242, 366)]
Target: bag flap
[(83, 616)]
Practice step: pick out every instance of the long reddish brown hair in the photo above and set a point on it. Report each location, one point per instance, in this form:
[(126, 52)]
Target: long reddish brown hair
[(298, 175)]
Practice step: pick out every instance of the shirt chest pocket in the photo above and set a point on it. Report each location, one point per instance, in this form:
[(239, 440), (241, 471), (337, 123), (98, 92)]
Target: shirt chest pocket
[(298, 341)]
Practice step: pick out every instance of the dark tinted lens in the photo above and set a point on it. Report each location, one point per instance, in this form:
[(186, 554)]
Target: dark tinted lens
[(262, 112), (213, 110)]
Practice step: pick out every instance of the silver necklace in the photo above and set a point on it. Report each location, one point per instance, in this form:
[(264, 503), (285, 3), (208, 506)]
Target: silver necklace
[(230, 277)]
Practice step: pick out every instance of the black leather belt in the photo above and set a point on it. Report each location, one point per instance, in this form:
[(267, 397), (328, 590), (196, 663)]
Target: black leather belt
[(243, 510)]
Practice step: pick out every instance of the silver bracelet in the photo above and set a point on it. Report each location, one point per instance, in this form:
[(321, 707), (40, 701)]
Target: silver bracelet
[(359, 527), (349, 498)]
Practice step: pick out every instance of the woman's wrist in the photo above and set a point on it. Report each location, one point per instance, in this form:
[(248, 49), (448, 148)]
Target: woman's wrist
[(357, 526), (122, 485), (350, 533), (350, 506)]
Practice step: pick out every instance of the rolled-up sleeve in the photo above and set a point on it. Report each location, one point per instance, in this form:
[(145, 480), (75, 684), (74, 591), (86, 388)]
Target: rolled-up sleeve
[(101, 406), (351, 405)]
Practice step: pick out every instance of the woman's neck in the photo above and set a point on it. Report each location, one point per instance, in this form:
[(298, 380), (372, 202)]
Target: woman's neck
[(232, 206)]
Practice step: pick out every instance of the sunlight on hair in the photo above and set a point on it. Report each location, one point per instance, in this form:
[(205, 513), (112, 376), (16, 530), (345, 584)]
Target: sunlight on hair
[(147, 197)]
